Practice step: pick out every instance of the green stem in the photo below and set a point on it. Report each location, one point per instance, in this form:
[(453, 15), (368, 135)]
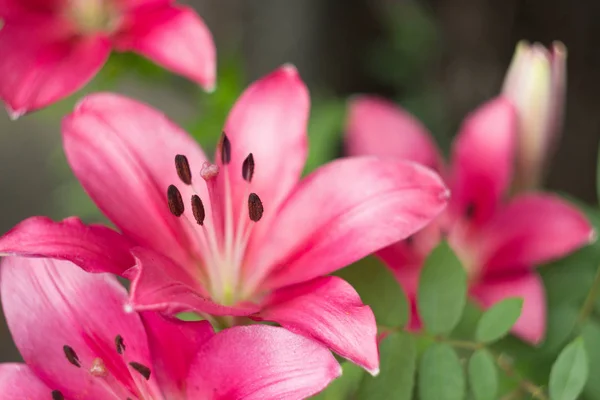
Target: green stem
[(534, 391), (588, 304)]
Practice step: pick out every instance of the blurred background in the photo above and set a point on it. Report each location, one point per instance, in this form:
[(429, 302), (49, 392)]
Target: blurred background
[(438, 58)]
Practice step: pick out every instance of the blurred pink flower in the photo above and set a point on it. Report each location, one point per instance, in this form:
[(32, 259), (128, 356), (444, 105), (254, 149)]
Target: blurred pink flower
[(79, 343), (536, 83), (500, 243), (244, 236), (52, 48)]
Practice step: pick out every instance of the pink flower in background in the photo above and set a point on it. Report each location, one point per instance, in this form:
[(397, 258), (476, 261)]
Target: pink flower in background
[(52, 48), (79, 343), (536, 83), (244, 237), (500, 243)]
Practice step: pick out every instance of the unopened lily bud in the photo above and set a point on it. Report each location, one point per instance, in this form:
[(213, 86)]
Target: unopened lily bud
[(536, 83)]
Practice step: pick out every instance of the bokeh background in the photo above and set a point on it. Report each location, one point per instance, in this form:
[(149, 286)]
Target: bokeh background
[(438, 58)]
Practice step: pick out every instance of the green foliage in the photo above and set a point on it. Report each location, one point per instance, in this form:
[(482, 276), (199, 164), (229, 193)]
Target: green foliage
[(591, 337), (324, 131), (442, 290), (379, 289), (441, 374), (397, 377), (569, 372), (483, 375), (497, 321)]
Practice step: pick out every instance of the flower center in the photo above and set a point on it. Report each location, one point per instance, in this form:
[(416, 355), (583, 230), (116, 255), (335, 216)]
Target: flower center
[(93, 16), (224, 234)]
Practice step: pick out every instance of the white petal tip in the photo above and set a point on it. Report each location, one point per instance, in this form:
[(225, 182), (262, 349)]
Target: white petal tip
[(210, 88), (14, 114), (373, 372), (593, 236), (445, 195), (289, 69), (128, 308)]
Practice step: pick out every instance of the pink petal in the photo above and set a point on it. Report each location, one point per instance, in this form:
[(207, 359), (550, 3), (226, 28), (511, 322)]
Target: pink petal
[(123, 153), (260, 362), (531, 230), (173, 37), (329, 310), (173, 346), (161, 285), (482, 159), (50, 304), (18, 382), (344, 211), (531, 325), (23, 8), (95, 248), (135, 4), (378, 127), (42, 62), (269, 120)]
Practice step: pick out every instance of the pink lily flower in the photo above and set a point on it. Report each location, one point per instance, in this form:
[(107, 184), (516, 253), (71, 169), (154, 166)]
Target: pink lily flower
[(536, 83), (52, 48), (499, 241), (243, 237), (78, 342)]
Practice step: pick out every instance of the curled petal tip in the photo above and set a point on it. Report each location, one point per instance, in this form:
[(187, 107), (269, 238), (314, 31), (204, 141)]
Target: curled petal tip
[(290, 69), (445, 194), (210, 87), (593, 236), (15, 114), (128, 308), (373, 372)]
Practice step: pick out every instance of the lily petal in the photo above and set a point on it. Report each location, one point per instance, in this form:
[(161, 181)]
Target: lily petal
[(531, 325), (174, 37), (161, 285), (482, 159), (269, 120), (19, 8), (261, 362), (18, 382), (59, 315), (378, 127), (42, 62), (329, 310), (173, 346), (345, 211), (531, 230), (123, 153), (95, 248)]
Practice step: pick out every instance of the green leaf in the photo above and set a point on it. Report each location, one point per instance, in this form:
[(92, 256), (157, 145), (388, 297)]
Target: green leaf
[(497, 321), (397, 376), (345, 386), (560, 326), (591, 337), (441, 375), (483, 375), (442, 290), (569, 372), (379, 289)]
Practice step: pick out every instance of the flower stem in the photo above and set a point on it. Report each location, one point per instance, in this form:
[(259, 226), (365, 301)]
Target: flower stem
[(588, 304), (534, 391)]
